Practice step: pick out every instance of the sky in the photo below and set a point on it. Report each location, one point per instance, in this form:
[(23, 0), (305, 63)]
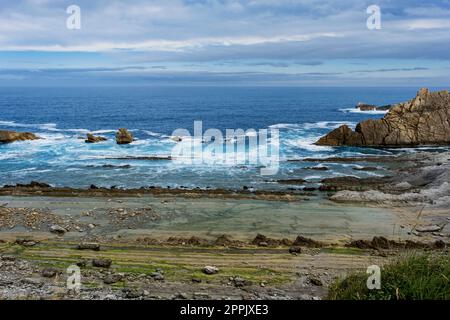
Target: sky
[(225, 42)]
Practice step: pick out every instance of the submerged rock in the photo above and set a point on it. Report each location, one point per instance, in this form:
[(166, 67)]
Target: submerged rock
[(432, 228), (424, 120), (123, 136), (12, 136)]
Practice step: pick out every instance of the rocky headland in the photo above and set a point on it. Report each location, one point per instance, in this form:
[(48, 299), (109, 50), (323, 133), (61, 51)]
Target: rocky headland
[(424, 120)]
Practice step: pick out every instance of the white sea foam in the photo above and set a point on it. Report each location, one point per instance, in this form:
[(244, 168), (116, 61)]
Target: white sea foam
[(306, 143), (103, 131), (285, 126), (328, 124), (313, 177), (42, 126), (312, 125), (155, 134), (357, 110)]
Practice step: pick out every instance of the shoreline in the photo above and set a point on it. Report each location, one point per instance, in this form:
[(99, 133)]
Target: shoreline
[(289, 244)]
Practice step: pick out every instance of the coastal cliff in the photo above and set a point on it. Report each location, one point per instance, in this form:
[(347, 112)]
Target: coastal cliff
[(424, 120)]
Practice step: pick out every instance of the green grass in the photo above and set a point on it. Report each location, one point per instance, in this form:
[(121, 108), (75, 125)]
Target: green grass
[(414, 277), (344, 250)]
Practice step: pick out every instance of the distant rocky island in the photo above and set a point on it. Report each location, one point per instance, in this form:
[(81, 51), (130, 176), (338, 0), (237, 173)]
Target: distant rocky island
[(424, 120)]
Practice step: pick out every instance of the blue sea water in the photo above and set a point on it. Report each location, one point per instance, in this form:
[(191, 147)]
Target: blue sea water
[(62, 115)]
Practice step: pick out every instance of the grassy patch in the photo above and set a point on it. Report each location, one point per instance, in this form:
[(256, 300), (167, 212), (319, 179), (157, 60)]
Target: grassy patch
[(414, 277), (343, 250)]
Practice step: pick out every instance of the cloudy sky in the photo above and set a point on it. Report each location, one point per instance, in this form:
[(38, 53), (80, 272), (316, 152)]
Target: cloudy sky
[(225, 42)]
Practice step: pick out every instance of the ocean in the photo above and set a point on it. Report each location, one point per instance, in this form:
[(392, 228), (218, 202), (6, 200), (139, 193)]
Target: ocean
[(63, 116)]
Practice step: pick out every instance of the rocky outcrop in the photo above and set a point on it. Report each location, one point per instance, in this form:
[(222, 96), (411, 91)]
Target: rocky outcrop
[(123, 136), (12, 136), (366, 107), (370, 107), (94, 139), (424, 120)]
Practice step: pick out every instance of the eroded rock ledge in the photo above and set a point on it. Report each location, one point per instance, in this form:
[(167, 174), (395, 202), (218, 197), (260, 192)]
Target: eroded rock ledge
[(424, 120)]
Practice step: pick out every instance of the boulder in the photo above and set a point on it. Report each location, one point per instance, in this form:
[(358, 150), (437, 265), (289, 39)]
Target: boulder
[(101, 263), (12, 136), (57, 229), (123, 136), (295, 250), (210, 270), (94, 139), (112, 278), (424, 120)]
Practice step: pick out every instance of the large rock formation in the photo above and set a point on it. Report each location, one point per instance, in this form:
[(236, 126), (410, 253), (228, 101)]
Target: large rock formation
[(123, 136), (424, 120), (12, 136)]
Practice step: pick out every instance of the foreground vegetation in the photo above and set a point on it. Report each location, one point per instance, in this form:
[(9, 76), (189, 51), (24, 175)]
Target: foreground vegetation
[(414, 277)]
